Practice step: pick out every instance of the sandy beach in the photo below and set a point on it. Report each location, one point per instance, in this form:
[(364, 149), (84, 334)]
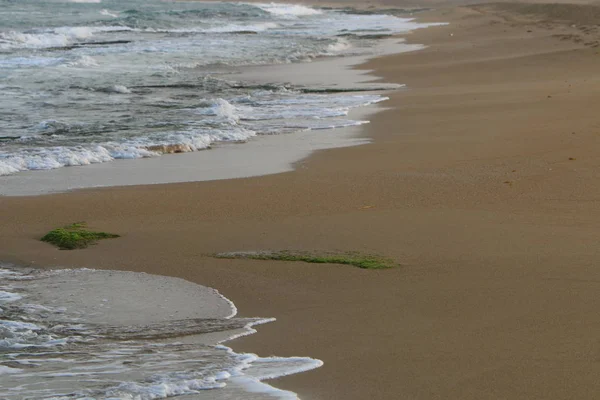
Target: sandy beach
[(480, 181)]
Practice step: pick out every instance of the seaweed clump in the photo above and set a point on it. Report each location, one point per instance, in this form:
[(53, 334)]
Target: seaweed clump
[(364, 261), (75, 236)]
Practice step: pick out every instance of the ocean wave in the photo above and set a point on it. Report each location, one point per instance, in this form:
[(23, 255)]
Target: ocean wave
[(230, 28), (102, 100), (119, 89), (261, 27), (340, 46), (108, 13), (29, 62), (46, 158), (221, 108), (9, 370), (188, 18), (288, 10), (13, 39), (56, 157), (265, 111), (83, 62), (50, 38)]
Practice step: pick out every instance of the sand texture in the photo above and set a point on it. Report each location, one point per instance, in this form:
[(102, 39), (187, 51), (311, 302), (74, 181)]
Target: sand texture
[(482, 181)]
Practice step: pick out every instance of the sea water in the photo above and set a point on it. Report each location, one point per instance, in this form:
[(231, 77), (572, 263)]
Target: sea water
[(85, 82), (89, 334)]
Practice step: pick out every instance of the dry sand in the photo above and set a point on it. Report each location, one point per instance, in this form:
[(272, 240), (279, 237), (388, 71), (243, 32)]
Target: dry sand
[(482, 180)]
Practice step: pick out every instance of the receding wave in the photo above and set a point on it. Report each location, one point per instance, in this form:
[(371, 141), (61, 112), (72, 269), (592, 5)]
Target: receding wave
[(110, 334)]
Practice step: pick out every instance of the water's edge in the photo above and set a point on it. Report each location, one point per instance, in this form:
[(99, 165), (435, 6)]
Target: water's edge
[(99, 334), (259, 156)]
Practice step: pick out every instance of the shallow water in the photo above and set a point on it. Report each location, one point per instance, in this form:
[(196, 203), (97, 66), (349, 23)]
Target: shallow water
[(89, 82), (87, 334)]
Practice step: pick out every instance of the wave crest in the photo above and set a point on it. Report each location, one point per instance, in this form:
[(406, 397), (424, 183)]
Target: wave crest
[(288, 10)]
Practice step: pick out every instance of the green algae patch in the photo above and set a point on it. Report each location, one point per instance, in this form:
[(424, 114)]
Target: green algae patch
[(75, 236), (364, 261)]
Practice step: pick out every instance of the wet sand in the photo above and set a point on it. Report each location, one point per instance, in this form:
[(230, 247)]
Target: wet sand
[(481, 180)]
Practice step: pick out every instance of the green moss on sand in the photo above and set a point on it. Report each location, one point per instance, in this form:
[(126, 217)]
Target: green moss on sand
[(75, 236), (365, 261)]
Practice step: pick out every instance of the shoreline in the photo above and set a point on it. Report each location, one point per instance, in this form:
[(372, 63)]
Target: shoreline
[(151, 326), (260, 155), (326, 72), (479, 181)]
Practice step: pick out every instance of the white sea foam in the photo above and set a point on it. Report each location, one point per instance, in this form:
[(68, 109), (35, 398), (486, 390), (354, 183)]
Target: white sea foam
[(8, 370), (186, 141), (108, 13), (9, 40), (222, 109), (83, 62), (18, 335), (55, 37), (6, 297), (248, 329), (261, 27), (120, 89), (288, 10), (333, 124), (194, 140), (29, 62), (341, 45), (76, 32), (56, 157), (10, 166), (253, 370), (269, 367), (229, 28)]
